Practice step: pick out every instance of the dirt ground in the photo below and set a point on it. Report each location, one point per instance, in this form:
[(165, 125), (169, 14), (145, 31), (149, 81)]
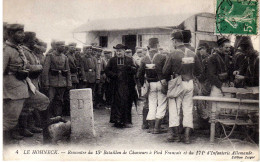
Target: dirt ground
[(108, 136)]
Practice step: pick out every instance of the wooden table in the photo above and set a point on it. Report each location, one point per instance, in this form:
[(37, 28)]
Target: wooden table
[(226, 103)]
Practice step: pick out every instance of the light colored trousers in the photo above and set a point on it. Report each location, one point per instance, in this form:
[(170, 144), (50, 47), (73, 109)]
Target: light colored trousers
[(157, 101), (184, 100)]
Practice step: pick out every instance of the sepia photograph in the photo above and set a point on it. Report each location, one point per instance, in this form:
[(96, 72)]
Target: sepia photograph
[(130, 80)]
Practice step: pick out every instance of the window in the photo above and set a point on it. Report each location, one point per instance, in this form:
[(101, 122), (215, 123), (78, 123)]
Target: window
[(140, 40), (103, 41)]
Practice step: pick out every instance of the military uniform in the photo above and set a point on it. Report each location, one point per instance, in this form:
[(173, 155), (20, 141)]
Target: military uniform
[(18, 89), (89, 72), (56, 76), (157, 100)]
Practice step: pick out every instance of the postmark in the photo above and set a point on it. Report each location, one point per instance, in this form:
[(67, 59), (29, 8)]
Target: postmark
[(236, 17)]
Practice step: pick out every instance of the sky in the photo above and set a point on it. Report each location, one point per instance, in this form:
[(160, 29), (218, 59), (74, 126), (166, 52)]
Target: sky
[(56, 19)]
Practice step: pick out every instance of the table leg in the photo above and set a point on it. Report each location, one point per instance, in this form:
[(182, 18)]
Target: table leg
[(213, 122)]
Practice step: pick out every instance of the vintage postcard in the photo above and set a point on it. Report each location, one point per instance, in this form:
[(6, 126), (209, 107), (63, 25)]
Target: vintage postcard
[(130, 80)]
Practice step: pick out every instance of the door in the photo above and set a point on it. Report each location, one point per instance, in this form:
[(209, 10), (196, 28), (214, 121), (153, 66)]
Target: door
[(129, 41)]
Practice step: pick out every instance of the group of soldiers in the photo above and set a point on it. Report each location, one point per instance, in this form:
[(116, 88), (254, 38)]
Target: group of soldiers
[(36, 85)]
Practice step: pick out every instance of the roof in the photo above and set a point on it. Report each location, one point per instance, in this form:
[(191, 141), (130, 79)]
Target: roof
[(133, 23)]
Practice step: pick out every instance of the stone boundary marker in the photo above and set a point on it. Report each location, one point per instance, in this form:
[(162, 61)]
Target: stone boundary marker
[(81, 112)]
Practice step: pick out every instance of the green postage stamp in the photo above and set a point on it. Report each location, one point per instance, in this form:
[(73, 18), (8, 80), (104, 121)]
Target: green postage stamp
[(237, 17)]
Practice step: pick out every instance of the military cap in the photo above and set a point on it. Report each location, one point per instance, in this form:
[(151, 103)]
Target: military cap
[(152, 42), (120, 46), (177, 35), (222, 41), (203, 45), (186, 36), (107, 52), (72, 44), (14, 27), (128, 51), (87, 47), (245, 40), (60, 43), (29, 35)]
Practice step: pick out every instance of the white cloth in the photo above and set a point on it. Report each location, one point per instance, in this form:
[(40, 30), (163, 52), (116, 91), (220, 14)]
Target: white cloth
[(157, 101), (184, 100)]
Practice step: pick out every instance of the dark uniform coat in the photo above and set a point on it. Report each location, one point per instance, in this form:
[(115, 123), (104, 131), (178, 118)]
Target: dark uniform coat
[(123, 89), (56, 62), (73, 68), (89, 68)]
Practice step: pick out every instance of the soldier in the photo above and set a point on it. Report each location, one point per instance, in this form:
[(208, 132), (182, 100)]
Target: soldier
[(89, 69), (218, 67), (129, 53), (78, 56), (101, 77), (151, 67), (18, 90), (246, 64), (138, 56), (121, 70), (56, 77), (107, 87), (181, 65), (73, 64), (26, 119)]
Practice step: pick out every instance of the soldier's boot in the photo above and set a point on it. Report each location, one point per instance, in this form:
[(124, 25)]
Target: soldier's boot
[(157, 127), (37, 118), (31, 125), (187, 135), (24, 127), (151, 126), (174, 135), (14, 133), (45, 120), (145, 122)]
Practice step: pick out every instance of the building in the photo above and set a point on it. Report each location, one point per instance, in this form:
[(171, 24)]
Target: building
[(134, 32)]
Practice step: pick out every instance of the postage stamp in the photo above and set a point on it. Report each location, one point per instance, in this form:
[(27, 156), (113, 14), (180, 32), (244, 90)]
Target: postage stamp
[(236, 17)]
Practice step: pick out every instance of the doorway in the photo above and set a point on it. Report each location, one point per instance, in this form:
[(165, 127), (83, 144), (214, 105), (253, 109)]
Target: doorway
[(129, 41)]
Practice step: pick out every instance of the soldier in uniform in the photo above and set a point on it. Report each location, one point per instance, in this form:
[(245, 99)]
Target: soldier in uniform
[(89, 69), (53, 42), (218, 67), (26, 119), (121, 70), (182, 64), (245, 62), (129, 53), (18, 90), (56, 77), (151, 70), (107, 87), (101, 77)]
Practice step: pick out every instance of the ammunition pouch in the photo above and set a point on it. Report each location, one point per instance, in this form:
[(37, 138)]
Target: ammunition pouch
[(64, 73), (55, 72), (21, 74), (73, 70), (223, 76), (35, 74)]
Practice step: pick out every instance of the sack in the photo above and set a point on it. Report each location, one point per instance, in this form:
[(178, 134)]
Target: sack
[(175, 87), (21, 74), (145, 88)]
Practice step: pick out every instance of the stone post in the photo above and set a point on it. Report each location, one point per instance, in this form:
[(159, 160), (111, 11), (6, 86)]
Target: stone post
[(81, 114)]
